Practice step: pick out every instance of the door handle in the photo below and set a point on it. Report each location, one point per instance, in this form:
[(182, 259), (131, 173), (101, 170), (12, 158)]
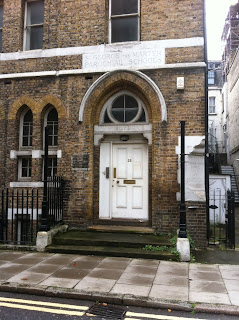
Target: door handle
[(107, 172)]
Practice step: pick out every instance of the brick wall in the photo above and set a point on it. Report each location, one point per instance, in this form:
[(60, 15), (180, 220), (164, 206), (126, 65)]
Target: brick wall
[(74, 23)]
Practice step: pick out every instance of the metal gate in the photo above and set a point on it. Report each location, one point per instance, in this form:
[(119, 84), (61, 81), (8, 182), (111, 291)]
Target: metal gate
[(222, 219)]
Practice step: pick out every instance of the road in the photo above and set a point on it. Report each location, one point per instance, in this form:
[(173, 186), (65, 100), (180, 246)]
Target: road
[(25, 307)]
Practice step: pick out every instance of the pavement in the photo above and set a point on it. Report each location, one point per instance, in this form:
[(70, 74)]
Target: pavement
[(139, 282)]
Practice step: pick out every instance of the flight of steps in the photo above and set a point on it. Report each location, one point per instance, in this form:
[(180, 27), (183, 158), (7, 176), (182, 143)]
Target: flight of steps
[(229, 171), (114, 241)]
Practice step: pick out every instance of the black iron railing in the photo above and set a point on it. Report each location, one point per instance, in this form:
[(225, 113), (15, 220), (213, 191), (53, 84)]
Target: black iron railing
[(21, 212), (55, 194)]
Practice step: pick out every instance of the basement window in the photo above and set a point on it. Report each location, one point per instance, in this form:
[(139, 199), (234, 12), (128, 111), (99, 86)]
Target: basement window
[(33, 25), (124, 20)]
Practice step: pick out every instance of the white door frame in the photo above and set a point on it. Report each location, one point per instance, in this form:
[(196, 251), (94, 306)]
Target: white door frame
[(106, 176)]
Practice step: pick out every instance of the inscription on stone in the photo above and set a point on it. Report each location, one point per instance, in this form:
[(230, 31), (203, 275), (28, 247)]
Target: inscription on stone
[(124, 58)]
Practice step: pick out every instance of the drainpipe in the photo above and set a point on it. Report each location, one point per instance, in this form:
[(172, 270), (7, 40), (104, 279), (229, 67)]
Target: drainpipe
[(206, 120)]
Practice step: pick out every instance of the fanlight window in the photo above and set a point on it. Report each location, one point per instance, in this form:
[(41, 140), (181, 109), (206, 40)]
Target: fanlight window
[(124, 108)]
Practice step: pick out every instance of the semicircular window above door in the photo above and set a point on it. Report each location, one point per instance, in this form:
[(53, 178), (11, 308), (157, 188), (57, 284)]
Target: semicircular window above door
[(124, 107)]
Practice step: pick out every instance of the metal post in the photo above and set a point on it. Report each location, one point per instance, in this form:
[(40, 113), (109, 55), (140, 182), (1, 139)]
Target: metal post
[(44, 219), (182, 225)]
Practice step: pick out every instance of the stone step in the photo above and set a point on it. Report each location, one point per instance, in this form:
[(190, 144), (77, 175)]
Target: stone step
[(121, 228), (112, 252), (110, 239)]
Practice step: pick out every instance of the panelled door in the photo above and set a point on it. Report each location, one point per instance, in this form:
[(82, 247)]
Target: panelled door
[(130, 181)]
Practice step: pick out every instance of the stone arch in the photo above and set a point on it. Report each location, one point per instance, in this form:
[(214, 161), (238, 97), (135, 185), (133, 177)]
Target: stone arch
[(111, 82), (2, 115), (24, 100), (55, 102)]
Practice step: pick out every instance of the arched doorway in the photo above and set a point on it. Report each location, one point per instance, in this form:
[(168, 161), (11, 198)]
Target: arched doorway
[(123, 134)]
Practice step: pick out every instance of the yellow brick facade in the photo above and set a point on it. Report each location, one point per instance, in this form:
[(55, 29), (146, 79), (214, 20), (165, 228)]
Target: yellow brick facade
[(57, 78)]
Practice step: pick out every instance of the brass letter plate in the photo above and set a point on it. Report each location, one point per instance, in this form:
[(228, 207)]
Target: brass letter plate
[(129, 182)]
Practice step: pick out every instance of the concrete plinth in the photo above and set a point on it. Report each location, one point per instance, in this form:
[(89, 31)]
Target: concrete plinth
[(183, 247), (44, 238)]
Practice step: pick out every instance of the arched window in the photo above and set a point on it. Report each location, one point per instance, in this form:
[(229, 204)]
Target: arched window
[(26, 125), (51, 121), (124, 107)]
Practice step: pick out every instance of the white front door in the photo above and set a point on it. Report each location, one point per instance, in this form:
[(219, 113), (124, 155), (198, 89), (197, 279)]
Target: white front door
[(129, 181)]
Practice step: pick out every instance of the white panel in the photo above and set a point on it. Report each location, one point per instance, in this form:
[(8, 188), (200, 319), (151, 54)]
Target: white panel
[(105, 161), (137, 197), (137, 163), (122, 162), (121, 197)]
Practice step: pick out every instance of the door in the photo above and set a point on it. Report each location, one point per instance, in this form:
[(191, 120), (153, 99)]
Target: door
[(129, 194)]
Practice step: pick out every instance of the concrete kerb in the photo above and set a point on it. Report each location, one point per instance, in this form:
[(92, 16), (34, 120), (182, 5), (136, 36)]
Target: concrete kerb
[(119, 299)]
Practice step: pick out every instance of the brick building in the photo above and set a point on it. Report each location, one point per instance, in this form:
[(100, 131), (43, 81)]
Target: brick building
[(112, 80)]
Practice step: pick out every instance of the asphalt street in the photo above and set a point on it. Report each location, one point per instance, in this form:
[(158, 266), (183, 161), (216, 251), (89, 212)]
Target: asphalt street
[(27, 307)]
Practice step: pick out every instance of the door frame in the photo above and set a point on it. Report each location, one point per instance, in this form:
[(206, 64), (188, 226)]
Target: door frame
[(105, 184)]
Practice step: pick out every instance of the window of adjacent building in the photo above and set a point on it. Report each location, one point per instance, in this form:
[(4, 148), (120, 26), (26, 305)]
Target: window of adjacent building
[(1, 23), (124, 20), (33, 27), (26, 126), (211, 77), (211, 105), (51, 121), (25, 168)]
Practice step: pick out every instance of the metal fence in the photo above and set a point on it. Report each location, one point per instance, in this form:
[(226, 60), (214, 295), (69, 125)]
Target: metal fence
[(21, 211), (222, 219)]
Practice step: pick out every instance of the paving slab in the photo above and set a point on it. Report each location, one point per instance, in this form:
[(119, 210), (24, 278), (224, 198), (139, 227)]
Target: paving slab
[(13, 267), (141, 270), (136, 290), (28, 278), (169, 292), (82, 264), (60, 258), (208, 297), (73, 273), (232, 284), (58, 282), (10, 256), (230, 274), (234, 297), (134, 279), (45, 268), (145, 262), (207, 286), (93, 284), (113, 274), (205, 275), (120, 265), (171, 280)]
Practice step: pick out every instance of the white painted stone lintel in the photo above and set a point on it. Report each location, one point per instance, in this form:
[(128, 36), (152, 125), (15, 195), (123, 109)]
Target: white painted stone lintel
[(36, 154), (188, 65)]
